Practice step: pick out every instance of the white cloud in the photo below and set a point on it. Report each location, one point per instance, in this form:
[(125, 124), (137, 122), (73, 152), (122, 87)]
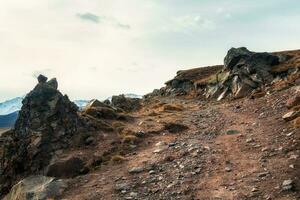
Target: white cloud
[(96, 59)]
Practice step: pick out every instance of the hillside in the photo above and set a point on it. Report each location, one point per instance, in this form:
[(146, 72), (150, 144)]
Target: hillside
[(222, 132), (9, 120)]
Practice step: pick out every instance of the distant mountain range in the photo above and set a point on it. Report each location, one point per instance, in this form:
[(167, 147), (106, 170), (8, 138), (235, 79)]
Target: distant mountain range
[(9, 109), (7, 121)]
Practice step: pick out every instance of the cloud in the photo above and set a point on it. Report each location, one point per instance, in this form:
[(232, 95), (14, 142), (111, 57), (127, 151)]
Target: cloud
[(123, 26), (89, 17)]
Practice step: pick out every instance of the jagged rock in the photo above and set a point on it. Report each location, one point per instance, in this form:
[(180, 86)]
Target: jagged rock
[(234, 55), (288, 185), (96, 103), (46, 123), (66, 168), (125, 103), (53, 83), (42, 79), (102, 112), (244, 71), (38, 188)]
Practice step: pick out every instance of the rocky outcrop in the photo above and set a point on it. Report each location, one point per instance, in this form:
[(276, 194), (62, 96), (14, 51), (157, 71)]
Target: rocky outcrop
[(37, 187), (243, 72), (46, 123), (125, 103)]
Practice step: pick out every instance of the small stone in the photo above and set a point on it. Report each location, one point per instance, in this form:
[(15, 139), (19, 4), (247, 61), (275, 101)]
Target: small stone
[(290, 134), (288, 185), (263, 174), (249, 140), (265, 149), (254, 189), (89, 140), (232, 132), (122, 186), (136, 170), (291, 115), (228, 169), (151, 172), (133, 194)]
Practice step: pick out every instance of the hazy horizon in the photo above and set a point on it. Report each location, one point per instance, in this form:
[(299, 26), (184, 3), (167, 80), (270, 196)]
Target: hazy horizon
[(99, 48)]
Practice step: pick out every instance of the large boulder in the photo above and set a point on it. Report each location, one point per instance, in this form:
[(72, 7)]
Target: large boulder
[(46, 123), (126, 103), (37, 188), (235, 55), (243, 72)]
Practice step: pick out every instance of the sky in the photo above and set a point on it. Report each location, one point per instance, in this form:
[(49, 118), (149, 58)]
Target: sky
[(98, 48)]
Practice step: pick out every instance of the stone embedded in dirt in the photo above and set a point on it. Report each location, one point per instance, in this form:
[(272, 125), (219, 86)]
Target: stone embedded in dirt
[(291, 115), (288, 185), (136, 170), (122, 186), (37, 187), (228, 169), (175, 127), (66, 168)]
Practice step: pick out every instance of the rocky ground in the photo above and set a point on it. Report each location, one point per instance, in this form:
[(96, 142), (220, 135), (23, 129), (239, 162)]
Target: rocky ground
[(220, 132), (240, 149)]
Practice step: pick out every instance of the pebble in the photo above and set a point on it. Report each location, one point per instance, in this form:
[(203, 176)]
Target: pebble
[(135, 170), (287, 185), (228, 169)]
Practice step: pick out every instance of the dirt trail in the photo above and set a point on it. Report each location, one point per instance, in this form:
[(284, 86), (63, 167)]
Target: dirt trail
[(232, 150)]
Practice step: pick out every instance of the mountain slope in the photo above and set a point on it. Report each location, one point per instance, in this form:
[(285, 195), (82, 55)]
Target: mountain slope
[(7, 121), (11, 106)]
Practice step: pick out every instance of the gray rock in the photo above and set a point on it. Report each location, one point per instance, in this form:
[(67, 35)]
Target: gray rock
[(53, 83), (42, 79), (234, 55), (288, 185), (38, 188), (136, 170)]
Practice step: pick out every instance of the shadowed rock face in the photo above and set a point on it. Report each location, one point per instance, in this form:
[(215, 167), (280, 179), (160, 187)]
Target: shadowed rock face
[(45, 124), (243, 72), (127, 104)]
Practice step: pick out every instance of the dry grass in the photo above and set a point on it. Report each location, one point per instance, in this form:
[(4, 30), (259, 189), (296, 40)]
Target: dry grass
[(171, 107), (117, 158), (130, 139)]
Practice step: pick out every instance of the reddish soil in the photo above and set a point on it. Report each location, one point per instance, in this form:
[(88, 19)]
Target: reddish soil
[(205, 161)]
